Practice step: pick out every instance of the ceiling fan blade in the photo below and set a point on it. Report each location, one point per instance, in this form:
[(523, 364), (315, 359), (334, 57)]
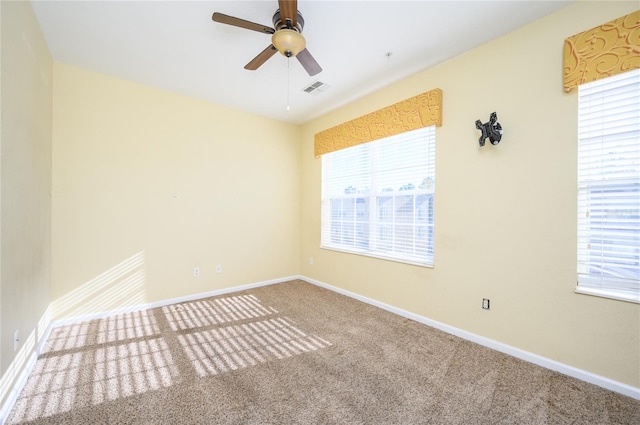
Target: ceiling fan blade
[(308, 62), (289, 10), (261, 58), (237, 22)]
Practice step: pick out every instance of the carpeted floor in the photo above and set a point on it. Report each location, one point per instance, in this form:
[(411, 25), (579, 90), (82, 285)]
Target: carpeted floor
[(293, 353)]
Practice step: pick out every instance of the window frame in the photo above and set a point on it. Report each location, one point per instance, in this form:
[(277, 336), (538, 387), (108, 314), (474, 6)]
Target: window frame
[(371, 220), (600, 188)]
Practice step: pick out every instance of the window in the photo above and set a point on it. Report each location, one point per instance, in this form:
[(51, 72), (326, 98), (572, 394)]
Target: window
[(377, 198), (609, 187)]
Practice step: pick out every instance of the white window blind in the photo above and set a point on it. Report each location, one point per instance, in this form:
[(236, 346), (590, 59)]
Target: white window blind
[(377, 198), (609, 187)]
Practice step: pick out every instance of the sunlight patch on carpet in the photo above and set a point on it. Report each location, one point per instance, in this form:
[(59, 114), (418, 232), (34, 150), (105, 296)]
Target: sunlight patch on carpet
[(215, 311), (119, 356), (220, 350)]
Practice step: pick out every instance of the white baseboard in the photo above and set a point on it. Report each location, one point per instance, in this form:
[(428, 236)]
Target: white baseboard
[(187, 298), (583, 375)]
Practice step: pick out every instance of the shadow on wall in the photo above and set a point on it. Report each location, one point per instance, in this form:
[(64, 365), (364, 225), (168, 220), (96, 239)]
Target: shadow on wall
[(124, 283)]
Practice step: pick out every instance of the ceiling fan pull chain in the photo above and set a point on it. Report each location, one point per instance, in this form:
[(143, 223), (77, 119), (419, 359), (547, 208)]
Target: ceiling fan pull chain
[(288, 81)]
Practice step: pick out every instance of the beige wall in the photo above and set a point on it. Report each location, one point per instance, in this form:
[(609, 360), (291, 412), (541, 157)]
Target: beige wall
[(149, 184), (25, 191), (505, 215)]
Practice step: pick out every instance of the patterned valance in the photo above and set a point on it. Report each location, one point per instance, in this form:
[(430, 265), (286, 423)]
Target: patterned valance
[(419, 111), (607, 50)]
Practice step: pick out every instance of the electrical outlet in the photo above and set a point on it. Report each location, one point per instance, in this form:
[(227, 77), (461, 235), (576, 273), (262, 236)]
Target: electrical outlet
[(311, 260), (485, 304), (219, 268), (16, 340), (196, 272)]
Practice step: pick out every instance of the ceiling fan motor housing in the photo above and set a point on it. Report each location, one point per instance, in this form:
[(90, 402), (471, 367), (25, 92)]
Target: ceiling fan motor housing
[(279, 24)]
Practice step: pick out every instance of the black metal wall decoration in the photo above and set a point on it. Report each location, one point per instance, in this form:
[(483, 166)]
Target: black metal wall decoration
[(491, 130)]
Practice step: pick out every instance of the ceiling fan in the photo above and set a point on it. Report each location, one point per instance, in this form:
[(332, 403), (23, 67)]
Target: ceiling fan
[(286, 36)]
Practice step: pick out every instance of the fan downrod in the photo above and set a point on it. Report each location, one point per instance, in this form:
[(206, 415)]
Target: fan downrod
[(279, 24)]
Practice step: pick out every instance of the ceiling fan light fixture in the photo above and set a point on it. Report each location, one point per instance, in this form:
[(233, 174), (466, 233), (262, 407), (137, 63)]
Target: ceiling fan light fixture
[(288, 42)]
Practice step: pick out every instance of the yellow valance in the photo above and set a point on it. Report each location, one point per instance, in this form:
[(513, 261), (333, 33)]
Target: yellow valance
[(416, 112), (607, 50)]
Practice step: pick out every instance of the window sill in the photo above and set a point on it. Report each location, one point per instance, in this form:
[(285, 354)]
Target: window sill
[(620, 296), (379, 257)]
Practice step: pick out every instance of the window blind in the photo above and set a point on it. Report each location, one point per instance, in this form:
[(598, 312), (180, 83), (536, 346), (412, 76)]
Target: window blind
[(377, 198), (609, 186)]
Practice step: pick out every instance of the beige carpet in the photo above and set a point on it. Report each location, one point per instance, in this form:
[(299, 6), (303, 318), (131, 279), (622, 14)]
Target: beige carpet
[(293, 353)]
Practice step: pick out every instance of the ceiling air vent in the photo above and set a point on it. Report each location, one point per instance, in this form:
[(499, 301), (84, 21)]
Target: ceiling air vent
[(316, 87)]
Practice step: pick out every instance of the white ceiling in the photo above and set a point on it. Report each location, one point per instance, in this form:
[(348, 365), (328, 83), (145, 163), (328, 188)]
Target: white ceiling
[(174, 45)]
